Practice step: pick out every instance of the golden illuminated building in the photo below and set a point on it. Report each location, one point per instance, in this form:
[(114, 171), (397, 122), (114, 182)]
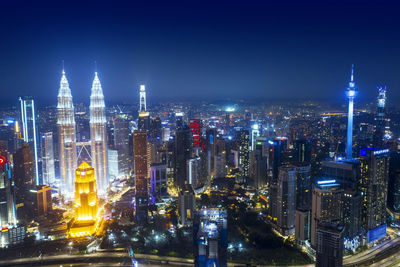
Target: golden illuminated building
[(86, 204)]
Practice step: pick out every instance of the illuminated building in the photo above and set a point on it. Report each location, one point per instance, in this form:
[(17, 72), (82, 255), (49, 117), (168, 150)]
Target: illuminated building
[(98, 135), (158, 180), (345, 172), (244, 156), (373, 187), (86, 204), (44, 201), (30, 132), (141, 176), (112, 156), (329, 247), (255, 132), (186, 204), (210, 234), (351, 94), (195, 126), (179, 123), (194, 171), (10, 232), (155, 130), (326, 205), (66, 136), (286, 200), (121, 143), (144, 116), (351, 217), (48, 159), (382, 128)]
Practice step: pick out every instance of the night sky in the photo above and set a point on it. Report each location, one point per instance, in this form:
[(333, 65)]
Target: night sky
[(199, 49)]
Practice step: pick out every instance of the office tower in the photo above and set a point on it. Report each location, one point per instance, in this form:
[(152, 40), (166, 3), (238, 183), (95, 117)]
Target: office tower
[(98, 135), (186, 203), (141, 178), (86, 203), (30, 132), (382, 128), (373, 187), (286, 200), (255, 132), (302, 225), (244, 156), (258, 164), (329, 247), (210, 238), (23, 176), (220, 165), (155, 130), (196, 127), (44, 201), (393, 207), (278, 146), (326, 205), (194, 171), (344, 172), (183, 152), (144, 116), (66, 136), (302, 150), (49, 175), (10, 233), (158, 180), (351, 94), (304, 187), (121, 143), (179, 123), (112, 157)]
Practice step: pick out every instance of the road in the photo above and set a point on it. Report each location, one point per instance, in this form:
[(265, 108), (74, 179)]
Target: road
[(105, 259), (377, 253)]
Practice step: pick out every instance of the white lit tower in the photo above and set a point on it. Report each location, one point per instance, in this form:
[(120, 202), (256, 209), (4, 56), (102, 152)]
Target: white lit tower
[(382, 129), (98, 135), (144, 116), (142, 107), (66, 135), (351, 94)]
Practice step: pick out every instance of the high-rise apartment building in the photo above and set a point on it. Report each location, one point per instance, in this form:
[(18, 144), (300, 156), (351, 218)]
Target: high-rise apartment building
[(121, 144), (373, 187)]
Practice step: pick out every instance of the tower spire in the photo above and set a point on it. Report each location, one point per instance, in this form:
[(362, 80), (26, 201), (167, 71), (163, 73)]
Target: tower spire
[(351, 94), (63, 69)]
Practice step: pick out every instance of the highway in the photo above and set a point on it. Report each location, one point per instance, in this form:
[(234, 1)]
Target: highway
[(375, 254)]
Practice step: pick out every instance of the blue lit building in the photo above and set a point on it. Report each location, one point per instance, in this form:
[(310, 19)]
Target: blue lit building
[(210, 237)]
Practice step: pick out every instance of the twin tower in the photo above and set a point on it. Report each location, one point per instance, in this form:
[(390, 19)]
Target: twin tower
[(67, 136)]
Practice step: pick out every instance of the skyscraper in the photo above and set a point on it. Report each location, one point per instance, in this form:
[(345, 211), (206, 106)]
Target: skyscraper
[(144, 116), (286, 200), (329, 246), (373, 187), (183, 152), (326, 205), (121, 143), (351, 94), (394, 189), (10, 233), (141, 176), (98, 135), (29, 130), (66, 136), (382, 129), (48, 159), (244, 156), (86, 204)]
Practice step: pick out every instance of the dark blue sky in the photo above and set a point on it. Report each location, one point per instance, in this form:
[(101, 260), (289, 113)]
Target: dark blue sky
[(206, 49)]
